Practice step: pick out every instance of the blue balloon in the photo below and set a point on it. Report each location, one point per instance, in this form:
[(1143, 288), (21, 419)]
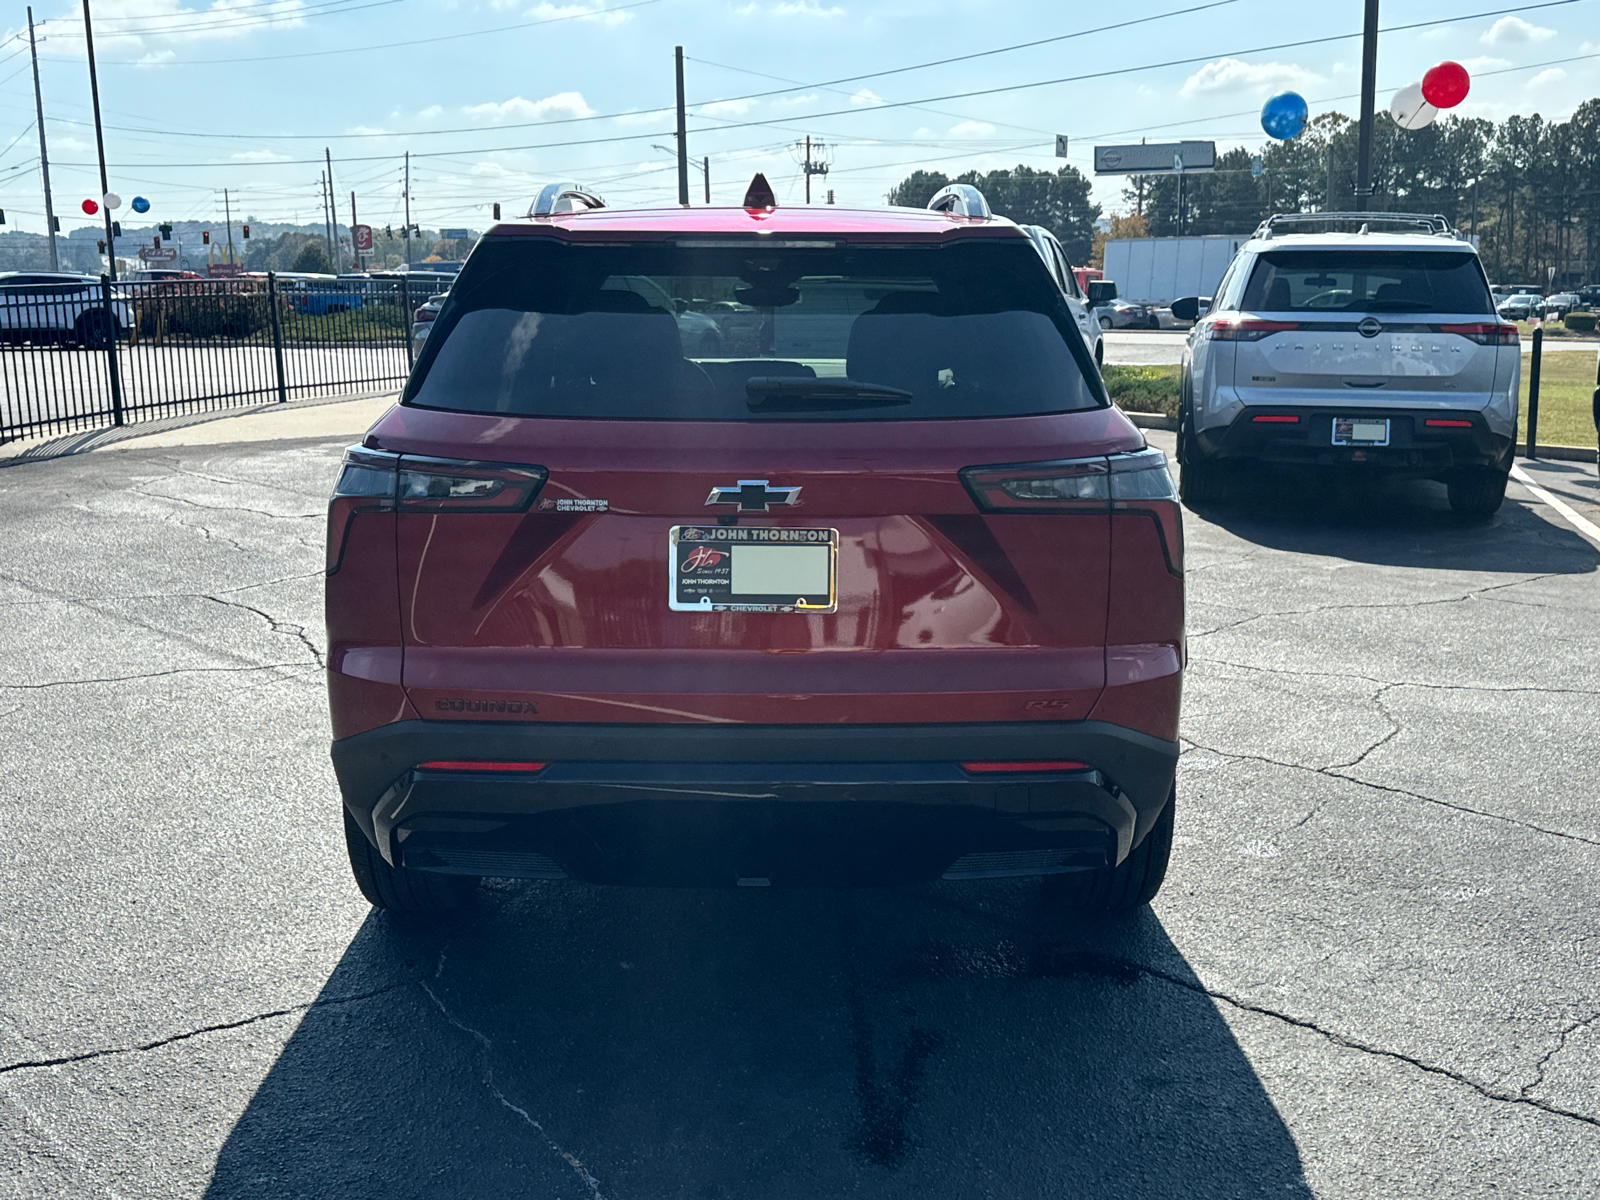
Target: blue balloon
[(1284, 115), (141, 205)]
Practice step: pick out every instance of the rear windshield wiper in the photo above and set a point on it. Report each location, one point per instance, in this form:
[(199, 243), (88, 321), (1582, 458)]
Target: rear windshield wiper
[(779, 393)]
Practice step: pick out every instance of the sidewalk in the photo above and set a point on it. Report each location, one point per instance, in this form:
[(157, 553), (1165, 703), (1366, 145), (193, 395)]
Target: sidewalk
[(317, 417)]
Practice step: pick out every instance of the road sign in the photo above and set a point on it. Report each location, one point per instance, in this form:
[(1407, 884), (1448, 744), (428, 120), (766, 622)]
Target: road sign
[(153, 255), (454, 235), (1061, 145), (1255, 166), (1155, 158), (363, 236), (220, 270)]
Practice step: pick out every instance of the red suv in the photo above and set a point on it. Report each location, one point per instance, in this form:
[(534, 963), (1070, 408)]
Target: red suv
[(884, 591)]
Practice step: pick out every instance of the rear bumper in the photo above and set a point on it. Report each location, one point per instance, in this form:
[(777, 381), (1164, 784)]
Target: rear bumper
[(1415, 448), (786, 804)]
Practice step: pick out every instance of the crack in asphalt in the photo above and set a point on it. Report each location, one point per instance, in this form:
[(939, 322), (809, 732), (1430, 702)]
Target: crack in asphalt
[(1413, 604), (1561, 1042), (277, 626), (1333, 772), (1394, 683), (320, 497), (485, 1047), (260, 512), (53, 598), (36, 1064), (54, 683)]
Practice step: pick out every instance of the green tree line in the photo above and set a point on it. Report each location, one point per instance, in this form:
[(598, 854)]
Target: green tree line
[(1527, 187)]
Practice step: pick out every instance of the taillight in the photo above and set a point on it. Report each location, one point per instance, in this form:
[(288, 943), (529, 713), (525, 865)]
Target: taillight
[(1486, 334), (449, 485), (366, 484), (1136, 482), (1246, 329), (424, 315), (380, 481)]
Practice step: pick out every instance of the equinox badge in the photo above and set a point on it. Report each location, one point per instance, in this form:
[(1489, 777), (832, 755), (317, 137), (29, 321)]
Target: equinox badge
[(753, 495)]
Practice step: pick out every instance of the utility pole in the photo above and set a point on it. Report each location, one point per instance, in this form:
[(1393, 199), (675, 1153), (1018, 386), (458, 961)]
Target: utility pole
[(327, 228), (683, 135), (1369, 87), (100, 146), (810, 168), (407, 195), (227, 216), (353, 249), (333, 213), (44, 157), (706, 163)]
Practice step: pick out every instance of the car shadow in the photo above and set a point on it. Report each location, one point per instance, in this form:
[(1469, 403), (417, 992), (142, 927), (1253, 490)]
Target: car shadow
[(950, 1040), (1389, 522)]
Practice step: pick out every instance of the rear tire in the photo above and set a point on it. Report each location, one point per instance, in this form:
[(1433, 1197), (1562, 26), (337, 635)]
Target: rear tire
[(94, 331), (1478, 491), (396, 889), (1199, 482), (1132, 884), (1105, 322)]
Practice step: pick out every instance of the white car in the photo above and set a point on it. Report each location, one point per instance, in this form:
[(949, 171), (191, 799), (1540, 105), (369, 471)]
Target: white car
[(1055, 258), (56, 307), (1376, 351)]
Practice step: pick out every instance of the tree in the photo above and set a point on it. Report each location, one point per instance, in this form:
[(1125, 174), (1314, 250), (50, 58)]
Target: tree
[(1058, 200), (313, 258), (1133, 226), (916, 189)]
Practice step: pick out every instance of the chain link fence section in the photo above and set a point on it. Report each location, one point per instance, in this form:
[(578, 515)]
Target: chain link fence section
[(80, 354)]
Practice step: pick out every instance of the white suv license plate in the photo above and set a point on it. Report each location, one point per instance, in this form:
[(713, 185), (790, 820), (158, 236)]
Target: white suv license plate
[(748, 568), (1360, 431)]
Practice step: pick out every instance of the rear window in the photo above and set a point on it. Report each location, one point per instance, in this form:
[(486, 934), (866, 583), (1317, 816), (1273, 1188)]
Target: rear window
[(732, 329), (1367, 281)]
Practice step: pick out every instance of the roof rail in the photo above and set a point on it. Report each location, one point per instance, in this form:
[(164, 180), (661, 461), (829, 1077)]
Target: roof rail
[(960, 200), (1434, 223), (567, 197)]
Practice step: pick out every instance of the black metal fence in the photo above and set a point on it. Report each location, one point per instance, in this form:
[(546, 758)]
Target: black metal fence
[(78, 355)]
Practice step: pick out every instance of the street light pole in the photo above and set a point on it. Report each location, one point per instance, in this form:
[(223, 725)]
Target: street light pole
[(683, 136), (1369, 87), (99, 144)]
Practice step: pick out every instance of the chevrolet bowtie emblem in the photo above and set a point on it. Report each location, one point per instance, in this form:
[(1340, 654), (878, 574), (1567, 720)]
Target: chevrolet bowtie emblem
[(753, 495)]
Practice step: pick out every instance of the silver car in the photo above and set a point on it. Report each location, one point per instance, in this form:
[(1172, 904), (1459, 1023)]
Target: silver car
[(1376, 351)]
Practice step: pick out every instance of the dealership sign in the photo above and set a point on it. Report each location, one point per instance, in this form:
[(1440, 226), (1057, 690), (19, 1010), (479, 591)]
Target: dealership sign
[(1155, 158)]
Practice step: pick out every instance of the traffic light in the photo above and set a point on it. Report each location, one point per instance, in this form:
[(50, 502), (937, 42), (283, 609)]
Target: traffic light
[(247, 233), (166, 229), (2, 216), (156, 241), (205, 236), (497, 210), (101, 244), (55, 224), (116, 229)]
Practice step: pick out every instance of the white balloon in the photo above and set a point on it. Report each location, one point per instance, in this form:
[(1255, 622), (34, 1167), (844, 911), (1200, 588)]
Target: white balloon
[(1410, 110), (112, 200)]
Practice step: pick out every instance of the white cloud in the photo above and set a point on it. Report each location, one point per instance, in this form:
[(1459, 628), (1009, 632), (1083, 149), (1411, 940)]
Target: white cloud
[(804, 9), (1508, 30), (868, 97), (1231, 74), (157, 58), (368, 130), (582, 12), (134, 25), (433, 110), (1546, 77), (1484, 62), (972, 129), (562, 104), (647, 117), (258, 156), (795, 101), (727, 108)]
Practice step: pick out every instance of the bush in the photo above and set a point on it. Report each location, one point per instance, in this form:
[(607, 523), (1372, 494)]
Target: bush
[(1580, 322), (1143, 389), (203, 312)]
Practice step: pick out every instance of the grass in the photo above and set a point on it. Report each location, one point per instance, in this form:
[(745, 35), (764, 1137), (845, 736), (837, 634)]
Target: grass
[(1143, 389), (1566, 391), (1552, 329)]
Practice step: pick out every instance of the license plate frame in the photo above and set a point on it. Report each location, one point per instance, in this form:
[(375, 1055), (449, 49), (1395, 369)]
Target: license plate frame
[(1359, 431), (704, 582)]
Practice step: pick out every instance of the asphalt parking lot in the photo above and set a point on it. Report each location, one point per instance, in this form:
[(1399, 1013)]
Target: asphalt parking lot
[(1374, 970)]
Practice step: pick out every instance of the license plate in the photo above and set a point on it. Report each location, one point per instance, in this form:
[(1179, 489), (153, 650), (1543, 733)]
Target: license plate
[(1360, 431), (746, 568)]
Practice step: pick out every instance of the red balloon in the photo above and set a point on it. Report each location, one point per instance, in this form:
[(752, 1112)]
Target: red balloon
[(90, 207), (1445, 85)]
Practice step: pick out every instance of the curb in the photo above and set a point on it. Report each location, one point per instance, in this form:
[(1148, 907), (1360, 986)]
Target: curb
[(1560, 453), (1151, 420)]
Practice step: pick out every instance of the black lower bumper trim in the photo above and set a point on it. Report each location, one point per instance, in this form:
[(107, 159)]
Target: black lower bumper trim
[(1415, 447), (792, 804)]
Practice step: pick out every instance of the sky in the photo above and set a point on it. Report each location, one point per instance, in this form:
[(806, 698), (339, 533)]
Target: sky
[(495, 98)]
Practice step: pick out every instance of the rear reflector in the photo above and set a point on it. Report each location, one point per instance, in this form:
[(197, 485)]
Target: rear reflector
[(481, 766), (1276, 420), (979, 768), (1438, 423)]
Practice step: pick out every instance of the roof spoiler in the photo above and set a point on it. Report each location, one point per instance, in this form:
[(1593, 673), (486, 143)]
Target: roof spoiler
[(1434, 223), (961, 200), (555, 198)]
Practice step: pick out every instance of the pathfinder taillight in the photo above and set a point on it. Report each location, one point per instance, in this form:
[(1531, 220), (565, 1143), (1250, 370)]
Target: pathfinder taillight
[(1486, 334), (1246, 329)]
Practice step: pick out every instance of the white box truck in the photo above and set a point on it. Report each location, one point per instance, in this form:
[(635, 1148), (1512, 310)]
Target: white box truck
[(1156, 271)]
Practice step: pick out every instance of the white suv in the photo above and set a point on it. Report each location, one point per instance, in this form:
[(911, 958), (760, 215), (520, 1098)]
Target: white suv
[(1055, 258), (1373, 348)]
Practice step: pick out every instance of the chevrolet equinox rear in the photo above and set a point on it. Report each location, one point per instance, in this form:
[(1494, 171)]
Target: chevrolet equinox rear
[(875, 587)]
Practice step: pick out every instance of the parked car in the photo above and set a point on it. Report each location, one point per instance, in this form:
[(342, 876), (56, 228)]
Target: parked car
[(1521, 307), (1411, 373), (1556, 307), (422, 321), (159, 275), (1055, 258), (62, 308), (1589, 294), (651, 617), (1126, 314)]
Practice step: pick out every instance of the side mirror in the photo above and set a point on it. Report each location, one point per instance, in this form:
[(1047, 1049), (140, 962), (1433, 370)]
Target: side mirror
[(1187, 308), (1101, 291)]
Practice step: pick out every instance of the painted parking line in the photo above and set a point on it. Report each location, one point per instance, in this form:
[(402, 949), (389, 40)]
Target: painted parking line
[(1579, 522)]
